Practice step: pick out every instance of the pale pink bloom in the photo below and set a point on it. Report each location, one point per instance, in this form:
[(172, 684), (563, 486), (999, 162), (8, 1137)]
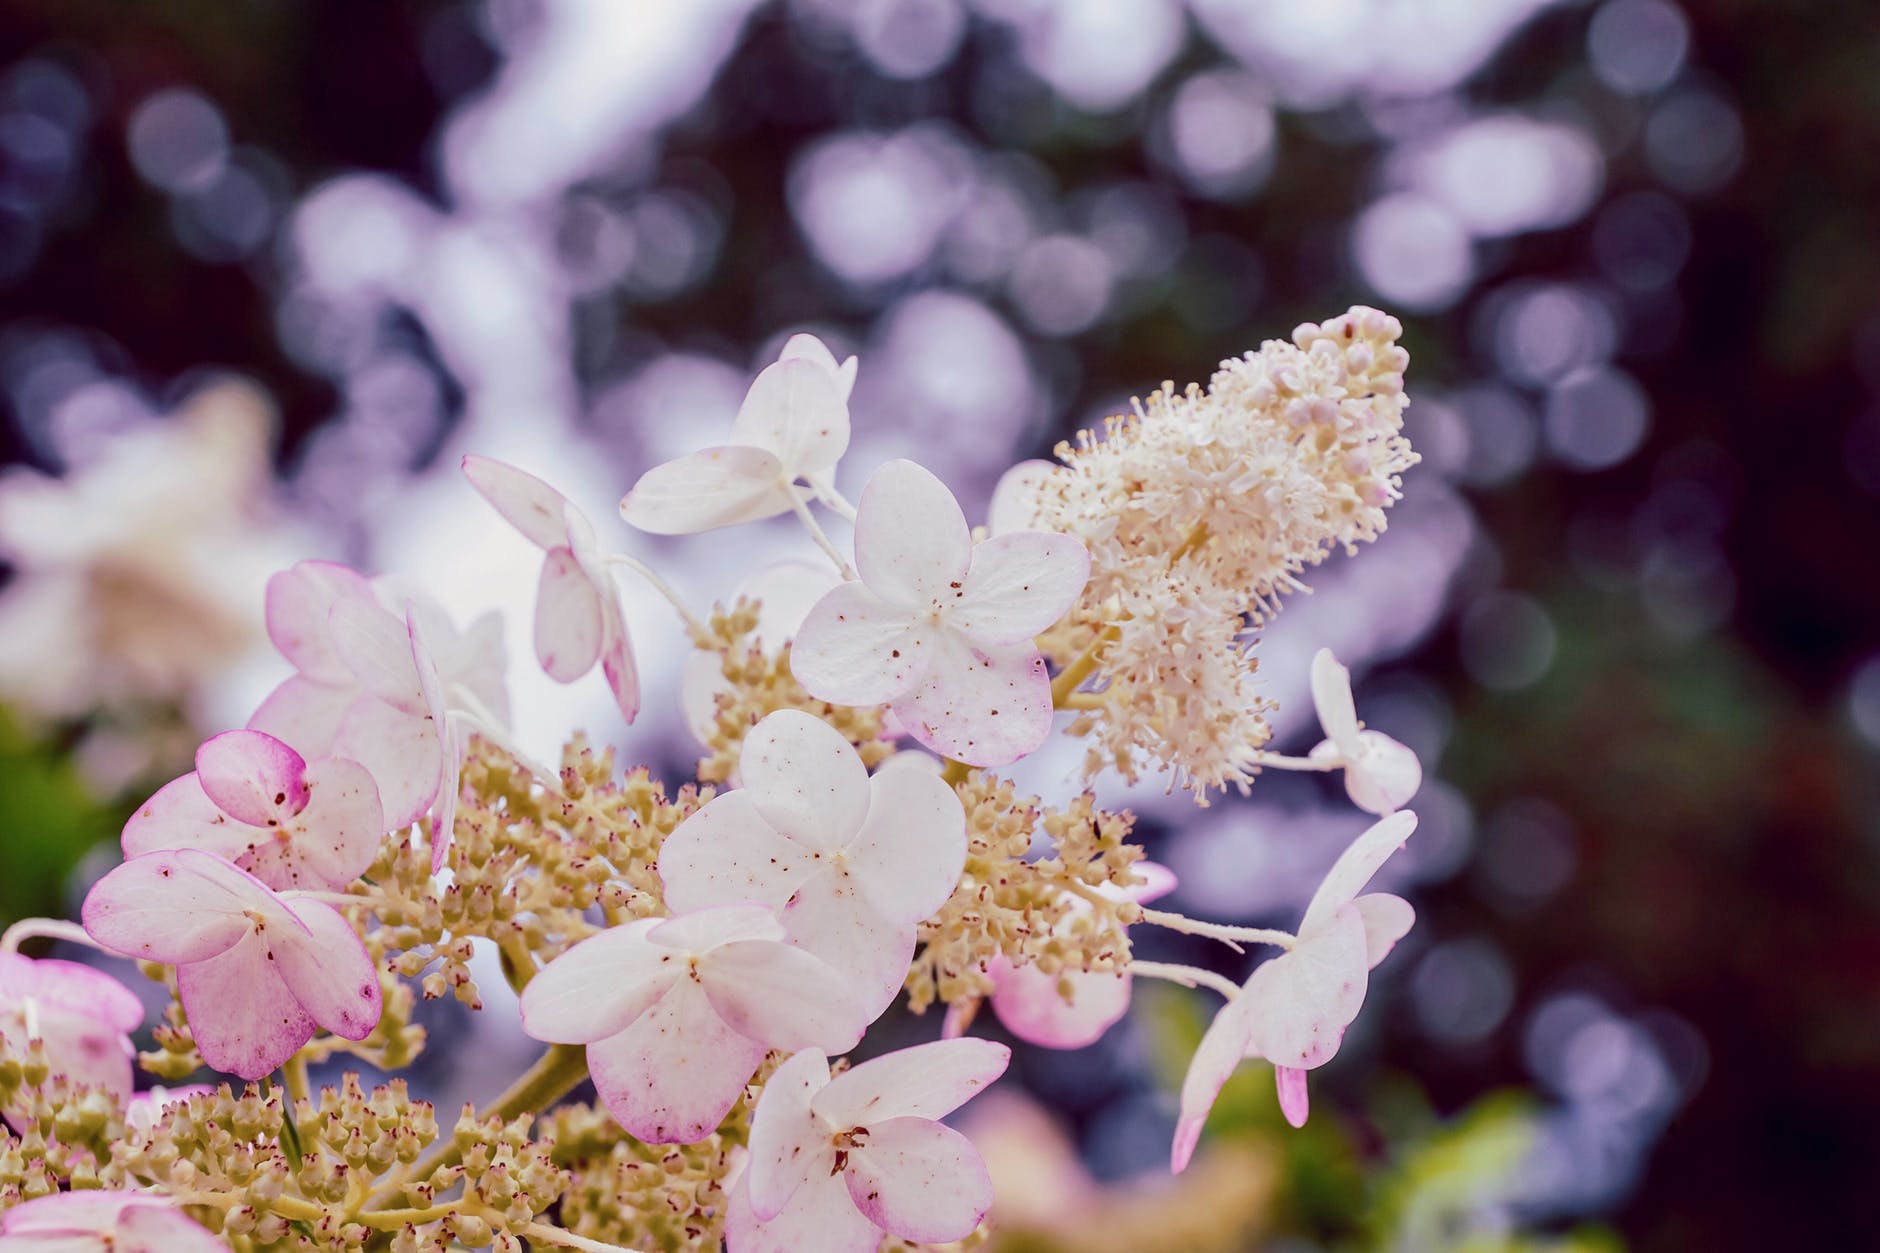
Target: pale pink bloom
[(854, 863), (835, 1163), (99, 1221), (939, 628), (257, 972), (84, 1016), (1294, 1009), (785, 593), (1380, 774), (142, 1110), (806, 347), (1031, 1002), (577, 607), (794, 424), (677, 1012), (256, 802)]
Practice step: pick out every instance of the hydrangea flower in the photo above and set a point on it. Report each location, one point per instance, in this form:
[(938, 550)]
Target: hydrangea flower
[(99, 1221), (257, 972), (676, 1013), (854, 863), (837, 1163), (577, 608), (1294, 1009), (939, 628), (84, 1016), (785, 592), (256, 802), (1381, 774), (794, 424)]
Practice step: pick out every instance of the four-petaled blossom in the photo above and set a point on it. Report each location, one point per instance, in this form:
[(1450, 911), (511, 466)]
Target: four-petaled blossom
[(835, 1163), (794, 424), (942, 629), (84, 1016), (1294, 1009), (577, 608), (256, 802), (1033, 1005), (257, 972), (1381, 774), (100, 1221), (854, 863), (676, 1013)]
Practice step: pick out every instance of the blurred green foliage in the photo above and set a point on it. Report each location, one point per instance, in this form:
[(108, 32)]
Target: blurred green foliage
[(48, 821)]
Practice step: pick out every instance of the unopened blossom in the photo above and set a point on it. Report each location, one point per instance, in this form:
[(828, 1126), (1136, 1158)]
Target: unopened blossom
[(1293, 1009), (1380, 774), (940, 628), (785, 592), (794, 424), (257, 972), (677, 1012), (98, 1221), (256, 802), (577, 607), (853, 863), (836, 1163), (84, 1016)]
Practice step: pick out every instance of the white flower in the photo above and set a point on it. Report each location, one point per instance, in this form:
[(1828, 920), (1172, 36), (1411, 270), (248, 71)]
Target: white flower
[(1380, 774)]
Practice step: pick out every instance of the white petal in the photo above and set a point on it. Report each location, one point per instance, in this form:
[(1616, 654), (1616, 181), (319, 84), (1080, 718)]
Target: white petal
[(569, 619), (598, 987), (152, 1229), (1385, 775), (796, 410), (831, 917), (526, 502), (403, 752), (298, 602), (305, 714), (1387, 919), (919, 1180), (984, 706), (178, 905), (377, 647), (701, 681), (252, 777), (854, 648), (785, 592), (675, 1072), (699, 931), (1331, 696), (725, 853), (805, 779), (328, 970), (806, 347), (1015, 498), (912, 545), (1228, 1039), (705, 490), (926, 1081), (1306, 998), (1356, 866), (782, 996), (1020, 585), (786, 1139), (245, 1020), (910, 851), (181, 815), (1031, 1004), (819, 1217)]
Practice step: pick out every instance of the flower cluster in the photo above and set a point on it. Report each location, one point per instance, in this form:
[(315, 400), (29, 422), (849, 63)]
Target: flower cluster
[(701, 954)]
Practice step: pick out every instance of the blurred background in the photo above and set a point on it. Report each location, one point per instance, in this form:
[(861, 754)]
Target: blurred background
[(267, 270)]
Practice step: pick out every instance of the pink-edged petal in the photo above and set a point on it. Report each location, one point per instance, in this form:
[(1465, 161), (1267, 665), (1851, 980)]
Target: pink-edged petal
[(1387, 919), (480, 663), (820, 1216), (787, 1142), (444, 808), (569, 620), (919, 1180), (1019, 586), (855, 648), (783, 997), (830, 917), (796, 410), (1015, 497), (806, 347), (709, 489), (376, 645), (253, 777), (675, 1072), (526, 502), (334, 839), (82, 1048), (1385, 775), (598, 987), (1308, 996), (70, 986), (181, 815), (1293, 1100), (1355, 867), (925, 1081), (152, 1229), (245, 1020), (700, 931), (623, 675), (985, 706), (1031, 1004), (403, 752), (1154, 881), (177, 905), (1331, 697), (305, 714), (298, 604), (725, 853), (328, 970), (805, 779), (909, 852), (1227, 1040), (912, 545)]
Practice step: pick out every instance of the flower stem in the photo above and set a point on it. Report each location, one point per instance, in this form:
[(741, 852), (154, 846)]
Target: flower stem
[(46, 929), (1219, 931), (660, 585), (546, 1234), (826, 492), (294, 1078), (1275, 761), (1187, 976), (1072, 676), (816, 533)]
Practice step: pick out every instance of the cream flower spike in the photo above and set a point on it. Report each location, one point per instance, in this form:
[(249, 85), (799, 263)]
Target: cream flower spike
[(1381, 775)]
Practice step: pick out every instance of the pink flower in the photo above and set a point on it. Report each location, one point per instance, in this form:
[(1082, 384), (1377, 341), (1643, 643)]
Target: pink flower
[(785, 593), (1031, 1003), (256, 802), (84, 1017), (98, 1221), (1380, 774), (836, 1163), (142, 1110), (677, 1012), (854, 863), (941, 629), (577, 608), (1294, 1009), (257, 972)]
